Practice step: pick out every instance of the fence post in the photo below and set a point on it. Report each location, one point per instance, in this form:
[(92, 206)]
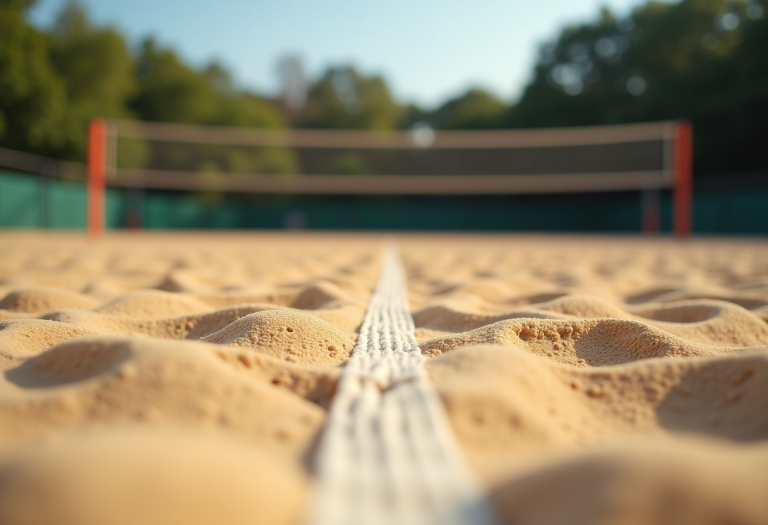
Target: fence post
[(97, 157), (683, 179)]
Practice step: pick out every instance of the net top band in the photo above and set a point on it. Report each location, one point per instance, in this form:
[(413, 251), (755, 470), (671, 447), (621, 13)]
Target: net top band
[(346, 139)]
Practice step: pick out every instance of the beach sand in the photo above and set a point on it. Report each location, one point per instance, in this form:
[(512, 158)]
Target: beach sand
[(161, 378)]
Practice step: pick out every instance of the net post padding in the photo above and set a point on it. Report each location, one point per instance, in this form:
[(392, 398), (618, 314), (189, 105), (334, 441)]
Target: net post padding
[(683, 180), (97, 157)]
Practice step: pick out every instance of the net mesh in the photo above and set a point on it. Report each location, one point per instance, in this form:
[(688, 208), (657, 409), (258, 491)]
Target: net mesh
[(314, 161)]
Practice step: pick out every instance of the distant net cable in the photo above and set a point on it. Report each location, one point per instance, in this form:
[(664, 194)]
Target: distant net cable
[(387, 455)]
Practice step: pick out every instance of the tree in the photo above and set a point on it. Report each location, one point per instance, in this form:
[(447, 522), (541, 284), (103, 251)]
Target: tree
[(171, 91), (345, 99), (97, 69), (32, 98), (698, 59), (475, 109)]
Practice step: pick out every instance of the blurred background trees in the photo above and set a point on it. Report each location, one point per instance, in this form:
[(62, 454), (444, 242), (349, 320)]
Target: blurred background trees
[(345, 99), (475, 109), (171, 91), (96, 70), (699, 59), (52, 83), (32, 97)]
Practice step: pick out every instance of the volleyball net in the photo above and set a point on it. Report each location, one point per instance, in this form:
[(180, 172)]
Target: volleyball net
[(644, 157)]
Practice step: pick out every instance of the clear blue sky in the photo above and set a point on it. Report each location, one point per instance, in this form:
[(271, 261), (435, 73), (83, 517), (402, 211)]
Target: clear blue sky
[(428, 50)]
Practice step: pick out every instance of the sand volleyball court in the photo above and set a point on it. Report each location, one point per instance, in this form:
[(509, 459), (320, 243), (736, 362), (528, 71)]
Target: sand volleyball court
[(162, 378)]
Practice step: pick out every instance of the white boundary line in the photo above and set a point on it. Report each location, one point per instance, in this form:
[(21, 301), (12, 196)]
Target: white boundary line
[(387, 455)]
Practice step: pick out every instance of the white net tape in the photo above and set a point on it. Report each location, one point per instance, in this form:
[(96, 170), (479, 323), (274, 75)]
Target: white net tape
[(387, 455)]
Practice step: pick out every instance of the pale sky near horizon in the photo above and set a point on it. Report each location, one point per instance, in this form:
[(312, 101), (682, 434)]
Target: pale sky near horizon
[(428, 50)]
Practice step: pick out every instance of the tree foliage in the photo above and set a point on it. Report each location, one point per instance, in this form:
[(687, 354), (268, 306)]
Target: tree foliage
[(53, 83), (96, 69), (32, 97), (475, 109), (698, 59), (345, 99), (171, 91)]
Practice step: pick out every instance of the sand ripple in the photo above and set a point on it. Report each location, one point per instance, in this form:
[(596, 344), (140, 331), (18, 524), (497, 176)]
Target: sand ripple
[(585, 379), (126, 476)]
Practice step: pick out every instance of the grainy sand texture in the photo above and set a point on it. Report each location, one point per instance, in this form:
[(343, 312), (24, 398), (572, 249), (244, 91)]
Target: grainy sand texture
[(163, 378)]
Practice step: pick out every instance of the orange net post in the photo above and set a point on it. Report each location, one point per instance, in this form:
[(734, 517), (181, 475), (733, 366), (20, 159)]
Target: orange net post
[(97, 163), (683, 180)]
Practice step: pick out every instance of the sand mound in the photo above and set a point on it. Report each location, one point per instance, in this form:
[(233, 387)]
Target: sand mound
[(690, 483), (38, 299), (192, 326), (505, 403), (152, 304), (129, 476), (190, 281), (705, 321), (313, 383), (108, 380), (744, 298), (588, 380), (293, 336), (589, 342), (25, 337), (167, 315)]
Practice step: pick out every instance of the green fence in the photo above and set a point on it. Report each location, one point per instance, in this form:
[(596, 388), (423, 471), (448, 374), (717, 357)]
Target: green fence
[(28, 201)]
